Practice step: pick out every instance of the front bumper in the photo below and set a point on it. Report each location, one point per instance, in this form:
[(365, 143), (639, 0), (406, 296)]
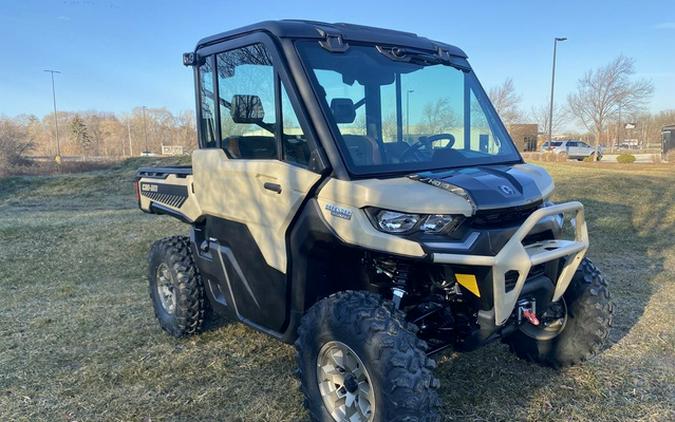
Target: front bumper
[(514, 256)]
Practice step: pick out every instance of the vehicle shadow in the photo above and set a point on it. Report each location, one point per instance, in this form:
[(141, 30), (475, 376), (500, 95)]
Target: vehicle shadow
[(493, 384)]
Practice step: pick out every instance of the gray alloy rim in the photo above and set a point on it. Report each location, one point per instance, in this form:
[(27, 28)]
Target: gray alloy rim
[(553, 323), (165, 289), (344, 384)]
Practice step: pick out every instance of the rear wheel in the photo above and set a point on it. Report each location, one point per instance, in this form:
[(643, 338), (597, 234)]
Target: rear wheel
[(359, 360), (176, 287), (573, 329)]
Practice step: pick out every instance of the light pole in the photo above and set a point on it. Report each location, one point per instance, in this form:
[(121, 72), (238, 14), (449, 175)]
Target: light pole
[(407, 112), (550, 110), (145, 133), (57, 158)]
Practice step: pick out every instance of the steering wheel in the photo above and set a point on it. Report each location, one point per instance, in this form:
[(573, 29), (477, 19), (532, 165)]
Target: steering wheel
[(415, 150)]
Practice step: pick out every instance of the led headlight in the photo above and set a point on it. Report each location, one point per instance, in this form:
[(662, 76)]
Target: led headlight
[(436, 223), (396, 222)]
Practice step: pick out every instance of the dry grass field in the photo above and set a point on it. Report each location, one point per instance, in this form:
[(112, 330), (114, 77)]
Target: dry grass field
[(79, 342)]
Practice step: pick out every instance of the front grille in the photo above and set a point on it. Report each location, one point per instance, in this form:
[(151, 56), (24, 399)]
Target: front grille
[(503, 216)]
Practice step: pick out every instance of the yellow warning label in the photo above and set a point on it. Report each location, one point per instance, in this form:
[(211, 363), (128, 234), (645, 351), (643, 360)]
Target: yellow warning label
[(469, 282)]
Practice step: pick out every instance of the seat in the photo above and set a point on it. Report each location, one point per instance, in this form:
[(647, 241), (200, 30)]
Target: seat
[(363, 150)]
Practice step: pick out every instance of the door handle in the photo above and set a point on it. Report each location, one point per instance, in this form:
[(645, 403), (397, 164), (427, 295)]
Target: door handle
[(274, 187)]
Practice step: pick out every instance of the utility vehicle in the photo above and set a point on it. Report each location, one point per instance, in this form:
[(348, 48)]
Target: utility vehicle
[(355, 193)]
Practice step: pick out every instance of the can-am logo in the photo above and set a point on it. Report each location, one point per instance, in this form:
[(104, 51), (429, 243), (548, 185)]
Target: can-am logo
[(506, 190), (146, 187)]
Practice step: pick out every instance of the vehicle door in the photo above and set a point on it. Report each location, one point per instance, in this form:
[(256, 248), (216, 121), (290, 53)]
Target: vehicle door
[(585, 150), (253, 174), (572, 149)]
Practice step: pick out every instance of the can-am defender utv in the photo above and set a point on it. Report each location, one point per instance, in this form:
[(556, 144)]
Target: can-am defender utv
[(355, 193)]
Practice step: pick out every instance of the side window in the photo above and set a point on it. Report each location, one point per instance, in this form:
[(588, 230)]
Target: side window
[(207, 103), (294, 142), (246, 81)]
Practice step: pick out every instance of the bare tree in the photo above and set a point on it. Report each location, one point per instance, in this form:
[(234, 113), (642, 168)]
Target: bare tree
[(540, 115), (14, 144), (506, 101), (603, 92), (438, 116)]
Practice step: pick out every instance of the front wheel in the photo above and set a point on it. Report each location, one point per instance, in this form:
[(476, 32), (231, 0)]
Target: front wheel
[(359, 360), (573, 329)]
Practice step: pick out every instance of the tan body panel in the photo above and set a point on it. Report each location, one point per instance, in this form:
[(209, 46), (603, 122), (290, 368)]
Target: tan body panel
[(234, 190), (150, 191), (358, 230), (399, 194)]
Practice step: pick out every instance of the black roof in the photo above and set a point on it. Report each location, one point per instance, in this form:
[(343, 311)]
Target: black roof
[(348, 32)]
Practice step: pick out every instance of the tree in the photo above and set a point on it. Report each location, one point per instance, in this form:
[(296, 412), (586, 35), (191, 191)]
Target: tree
[(438, 116), (80, 134), (14, 144), (540, 115), (602, 93), (506, 101)]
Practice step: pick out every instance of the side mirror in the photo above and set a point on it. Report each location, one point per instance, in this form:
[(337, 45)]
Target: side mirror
[(343, 110), (247, 109)]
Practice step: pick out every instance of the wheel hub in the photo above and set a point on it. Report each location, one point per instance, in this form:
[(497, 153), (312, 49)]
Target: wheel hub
[(165, 289), (344, 384)]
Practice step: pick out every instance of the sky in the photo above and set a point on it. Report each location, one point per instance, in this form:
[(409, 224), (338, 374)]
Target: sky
[(115, 55)]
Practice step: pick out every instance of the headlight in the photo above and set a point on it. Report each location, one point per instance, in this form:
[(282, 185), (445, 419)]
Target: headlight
[(436, 223), (398, 222)]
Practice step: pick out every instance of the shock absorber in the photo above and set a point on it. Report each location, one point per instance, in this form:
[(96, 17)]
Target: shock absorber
[(400, 281)]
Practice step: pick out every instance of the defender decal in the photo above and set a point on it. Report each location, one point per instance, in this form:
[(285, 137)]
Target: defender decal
[(340, 212)]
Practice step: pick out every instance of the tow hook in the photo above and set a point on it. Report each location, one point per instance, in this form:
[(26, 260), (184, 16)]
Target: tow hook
[(527, 311), (531, 317)]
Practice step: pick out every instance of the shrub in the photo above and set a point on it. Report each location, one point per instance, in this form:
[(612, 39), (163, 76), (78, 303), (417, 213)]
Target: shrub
[(670, 156), (532, 156), (14, 143), (625, 158), (549, 156)]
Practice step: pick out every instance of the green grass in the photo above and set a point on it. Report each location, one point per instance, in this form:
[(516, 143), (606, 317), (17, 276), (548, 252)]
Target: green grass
[(79, 342)]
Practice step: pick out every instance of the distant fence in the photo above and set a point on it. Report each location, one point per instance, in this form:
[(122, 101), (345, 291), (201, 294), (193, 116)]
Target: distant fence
[(97, 158)]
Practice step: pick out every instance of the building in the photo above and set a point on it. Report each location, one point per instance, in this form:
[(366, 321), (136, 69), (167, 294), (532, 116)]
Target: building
[(524, 135), (172, 150)]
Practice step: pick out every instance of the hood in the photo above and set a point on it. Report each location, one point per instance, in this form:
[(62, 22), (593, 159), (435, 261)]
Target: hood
[(496, 186)]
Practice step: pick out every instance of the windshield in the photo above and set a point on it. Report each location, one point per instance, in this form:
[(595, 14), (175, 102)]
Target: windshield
[(405, 116)]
